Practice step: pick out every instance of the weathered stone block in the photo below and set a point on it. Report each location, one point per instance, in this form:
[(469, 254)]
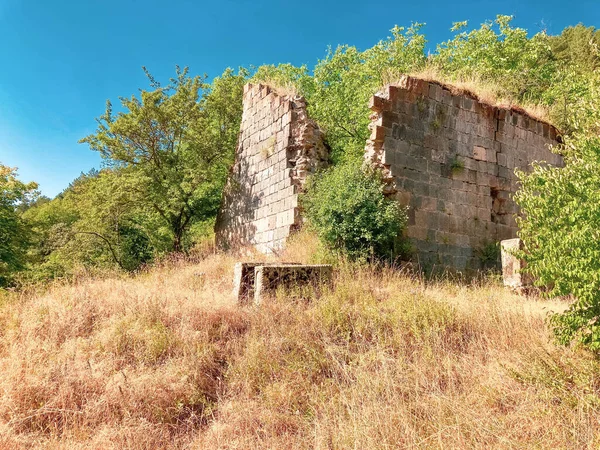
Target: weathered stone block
[(378, 134), (268, 278), (378, 103), (480, 153), (435, 92), (512, 266)]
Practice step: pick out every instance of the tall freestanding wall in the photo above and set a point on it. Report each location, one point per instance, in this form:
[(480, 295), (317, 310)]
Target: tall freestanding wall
[(452, 160), (278, 146), (446, 155)]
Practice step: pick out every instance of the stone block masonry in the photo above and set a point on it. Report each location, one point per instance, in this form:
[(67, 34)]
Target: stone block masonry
[(452, 158), (278, 146), (446, 155)]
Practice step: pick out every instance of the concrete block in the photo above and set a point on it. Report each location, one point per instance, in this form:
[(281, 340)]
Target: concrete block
[(268, 278), (244, 280), (512, 266)]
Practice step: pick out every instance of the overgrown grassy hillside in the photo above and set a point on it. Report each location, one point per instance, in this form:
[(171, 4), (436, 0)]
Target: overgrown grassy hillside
[(167, 360)]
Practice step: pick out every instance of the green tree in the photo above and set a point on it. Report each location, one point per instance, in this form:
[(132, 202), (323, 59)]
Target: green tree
[(110, 228), (338, 94), (578, 46), (14, 232), (561, 236), (95, 222), (561, 208), (177, 143), (346, 206), (347, 78), (500, 56)]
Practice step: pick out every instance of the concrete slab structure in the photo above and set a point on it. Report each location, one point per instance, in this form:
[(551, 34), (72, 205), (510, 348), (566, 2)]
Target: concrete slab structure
[(244, 280), (253, 280), (269, 278)]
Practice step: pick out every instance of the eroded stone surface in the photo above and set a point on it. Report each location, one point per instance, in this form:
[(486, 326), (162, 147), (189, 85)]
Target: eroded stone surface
[(451, 159), (278, 147), (512, 266)]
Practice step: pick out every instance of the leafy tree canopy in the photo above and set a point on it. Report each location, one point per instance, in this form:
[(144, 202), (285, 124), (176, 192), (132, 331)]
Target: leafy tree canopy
[(338, 93), (14, 233), (578, 46), (175, 144)]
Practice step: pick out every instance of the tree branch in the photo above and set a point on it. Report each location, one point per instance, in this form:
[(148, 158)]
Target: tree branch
[(110, 247)]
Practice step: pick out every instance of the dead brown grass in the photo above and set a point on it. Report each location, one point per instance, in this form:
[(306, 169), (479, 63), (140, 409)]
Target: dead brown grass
[(166, 360), (482, 90), (283, 89)]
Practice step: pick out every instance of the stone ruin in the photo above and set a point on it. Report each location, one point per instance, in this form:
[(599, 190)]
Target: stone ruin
[(449, 157), (512, 267), (278, 146), (452, 158), (253, 281)]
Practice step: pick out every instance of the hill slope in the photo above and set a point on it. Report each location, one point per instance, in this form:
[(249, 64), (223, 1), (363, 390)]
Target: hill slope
[(167, 360)]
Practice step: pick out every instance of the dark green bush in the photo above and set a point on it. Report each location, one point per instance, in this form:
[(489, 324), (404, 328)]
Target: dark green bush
[(346, 206)]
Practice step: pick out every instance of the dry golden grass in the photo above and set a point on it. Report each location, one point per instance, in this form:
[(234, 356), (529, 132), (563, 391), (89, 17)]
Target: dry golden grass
[(484, 91), (383, 360), (280, 88)]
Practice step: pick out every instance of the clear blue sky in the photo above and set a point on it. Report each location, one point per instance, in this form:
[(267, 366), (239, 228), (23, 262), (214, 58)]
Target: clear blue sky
[(61, 59)]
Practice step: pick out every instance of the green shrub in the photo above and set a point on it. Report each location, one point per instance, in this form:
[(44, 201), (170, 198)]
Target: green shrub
[(561, 237), (347, 208), (561, 220)]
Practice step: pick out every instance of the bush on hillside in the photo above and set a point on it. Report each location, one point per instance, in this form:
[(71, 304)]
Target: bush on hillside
[(560, 232), (347, 208), (561, 220)]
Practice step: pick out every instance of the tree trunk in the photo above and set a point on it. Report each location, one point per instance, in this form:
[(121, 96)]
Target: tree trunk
[(177, 244), (179, 225)]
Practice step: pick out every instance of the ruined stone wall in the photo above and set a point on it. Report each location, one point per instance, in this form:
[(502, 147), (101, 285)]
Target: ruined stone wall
[(278, 146), (451, 159)]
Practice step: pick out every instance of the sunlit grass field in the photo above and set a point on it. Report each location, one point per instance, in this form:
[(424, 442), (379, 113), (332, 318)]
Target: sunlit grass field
[(166, 359)]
